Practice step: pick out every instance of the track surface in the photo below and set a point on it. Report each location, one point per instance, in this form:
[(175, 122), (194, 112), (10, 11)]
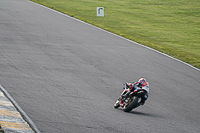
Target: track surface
[(66, 75)]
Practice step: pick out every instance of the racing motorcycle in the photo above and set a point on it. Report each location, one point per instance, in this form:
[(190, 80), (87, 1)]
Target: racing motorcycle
[(129, 102)]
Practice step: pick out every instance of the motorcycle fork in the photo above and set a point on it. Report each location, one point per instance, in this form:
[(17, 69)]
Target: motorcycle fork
[(122, 102)]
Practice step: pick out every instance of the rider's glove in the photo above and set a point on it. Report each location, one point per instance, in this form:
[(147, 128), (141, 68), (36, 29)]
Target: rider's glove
[(127, 85)]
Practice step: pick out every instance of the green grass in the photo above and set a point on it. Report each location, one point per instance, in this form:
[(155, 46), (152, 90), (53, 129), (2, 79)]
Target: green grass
[(169, 26)]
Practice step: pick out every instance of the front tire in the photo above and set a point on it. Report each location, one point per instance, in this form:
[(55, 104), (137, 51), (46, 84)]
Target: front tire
[(116, 105)]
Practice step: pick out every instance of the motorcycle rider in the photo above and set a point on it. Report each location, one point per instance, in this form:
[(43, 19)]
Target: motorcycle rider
[(141, 84)]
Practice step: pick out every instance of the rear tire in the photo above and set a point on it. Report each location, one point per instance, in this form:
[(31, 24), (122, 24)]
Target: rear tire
[(132, 105)]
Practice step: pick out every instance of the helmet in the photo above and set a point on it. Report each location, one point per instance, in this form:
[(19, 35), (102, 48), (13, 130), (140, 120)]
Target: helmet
[(142, 80)]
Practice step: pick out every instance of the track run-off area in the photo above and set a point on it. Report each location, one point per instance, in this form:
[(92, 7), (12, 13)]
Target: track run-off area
[(66, 75)]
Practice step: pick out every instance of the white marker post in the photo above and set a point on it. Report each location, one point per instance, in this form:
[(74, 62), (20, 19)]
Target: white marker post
[(100, 11)]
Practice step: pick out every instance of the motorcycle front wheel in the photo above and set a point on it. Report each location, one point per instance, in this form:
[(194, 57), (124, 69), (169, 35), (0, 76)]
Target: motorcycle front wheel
[(116, 105)]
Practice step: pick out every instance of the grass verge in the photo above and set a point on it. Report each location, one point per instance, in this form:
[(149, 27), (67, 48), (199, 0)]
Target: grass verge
[(169, 26)]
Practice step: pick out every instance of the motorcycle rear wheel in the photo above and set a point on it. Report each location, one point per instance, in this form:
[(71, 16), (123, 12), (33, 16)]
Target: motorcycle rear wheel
[(131, 105)]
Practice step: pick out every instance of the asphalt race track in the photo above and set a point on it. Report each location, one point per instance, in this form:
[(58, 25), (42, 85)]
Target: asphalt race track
[(66, 75)]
